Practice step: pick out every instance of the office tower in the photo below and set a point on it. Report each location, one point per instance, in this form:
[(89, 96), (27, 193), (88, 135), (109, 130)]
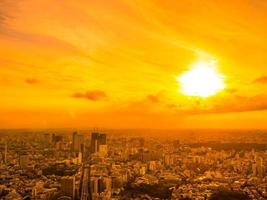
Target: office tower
[(259, 163), (98, 139), (103, 150), (5, 156), (23, 161), (98, 185), (94, 142), (56, 138), (101, 185), (102, 139), (80, 157), (254, 169), (77, 142), (94, 185), (68, 186)]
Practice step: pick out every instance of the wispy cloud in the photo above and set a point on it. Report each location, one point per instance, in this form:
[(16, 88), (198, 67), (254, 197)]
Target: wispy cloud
[(261, 80), (154, 98), (5, 14), (235, 105), (32, 81), (93, 95)]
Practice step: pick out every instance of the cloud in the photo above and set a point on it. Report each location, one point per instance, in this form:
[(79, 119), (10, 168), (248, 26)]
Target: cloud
[(32, 81), (258, 102), (232, 90), (172, 105), (93, 95), (238, 104), (233, 104), (3, 14), (153, 98), (261, 80), (6, 8)]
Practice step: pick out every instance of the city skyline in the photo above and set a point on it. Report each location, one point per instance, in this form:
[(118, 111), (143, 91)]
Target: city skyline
[(133, 99), (90, 165), (117, 64)]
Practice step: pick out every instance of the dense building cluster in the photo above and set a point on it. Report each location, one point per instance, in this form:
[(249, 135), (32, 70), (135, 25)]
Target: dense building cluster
[(131, 164)]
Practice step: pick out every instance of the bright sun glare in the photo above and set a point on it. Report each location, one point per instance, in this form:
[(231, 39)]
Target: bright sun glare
[(203, 80)]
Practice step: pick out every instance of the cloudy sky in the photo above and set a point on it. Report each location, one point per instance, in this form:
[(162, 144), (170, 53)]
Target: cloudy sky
[(114, 63)]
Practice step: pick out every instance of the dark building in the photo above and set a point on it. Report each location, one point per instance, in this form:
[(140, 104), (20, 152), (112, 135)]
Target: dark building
[(56, 138), (77, 142), (97, 139)]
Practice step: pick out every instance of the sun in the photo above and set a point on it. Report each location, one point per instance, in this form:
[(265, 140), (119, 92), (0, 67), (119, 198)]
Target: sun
[(203, 80)]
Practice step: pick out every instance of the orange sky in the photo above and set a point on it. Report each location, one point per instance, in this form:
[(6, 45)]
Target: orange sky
[(114, 63)]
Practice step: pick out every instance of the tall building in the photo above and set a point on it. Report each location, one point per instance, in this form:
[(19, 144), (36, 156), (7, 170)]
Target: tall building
[(56, 138), (80, 157), (5, 155), (103, 150), (102, 139), (98, 139), (23, 161), (260, 170), (68, 186), (94, 185), (77, 142), (254, 169), (94, 142), (99, 185)]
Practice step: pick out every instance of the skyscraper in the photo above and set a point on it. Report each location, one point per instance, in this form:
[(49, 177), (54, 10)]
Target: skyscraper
[(94, 142), (97, 139), (5, 156), (23, 161), (97, 185), (3, 153), (102, 139), (77, 142), (259, 164), (258, 168)]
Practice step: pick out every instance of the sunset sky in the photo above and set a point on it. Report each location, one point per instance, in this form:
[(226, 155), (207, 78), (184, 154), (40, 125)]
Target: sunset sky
[(115, 63)]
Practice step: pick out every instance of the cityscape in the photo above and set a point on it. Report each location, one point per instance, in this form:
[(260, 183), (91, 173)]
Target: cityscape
[(133, 100), (131, 164)]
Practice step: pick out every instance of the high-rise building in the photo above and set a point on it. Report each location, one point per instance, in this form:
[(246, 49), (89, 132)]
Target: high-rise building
[(94, 142), (97, 139), (259, 163), (80, 157), (103, 150), (23, 161), (5, 155), (254, 169), (56, 138), (99, 185), (94, 185), (68, 186), (77, 142), (102, 139), (258, 168)]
